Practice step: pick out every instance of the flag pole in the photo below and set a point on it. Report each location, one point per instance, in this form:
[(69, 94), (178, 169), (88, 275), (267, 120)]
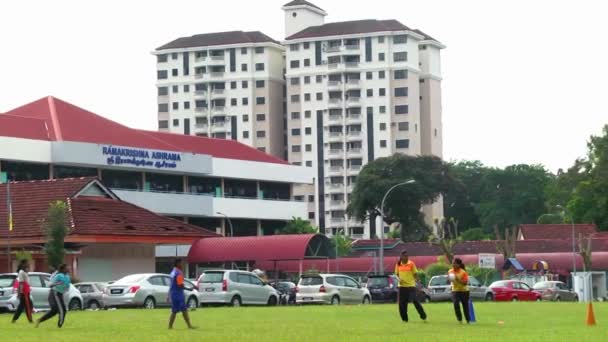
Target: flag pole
[(9, 212)]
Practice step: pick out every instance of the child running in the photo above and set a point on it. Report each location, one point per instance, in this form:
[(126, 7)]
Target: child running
[(59, 284), (23, 289)]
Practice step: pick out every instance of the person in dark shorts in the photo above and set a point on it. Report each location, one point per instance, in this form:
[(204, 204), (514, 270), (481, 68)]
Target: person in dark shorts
[(59, 284), (176, 295), (407, 273)]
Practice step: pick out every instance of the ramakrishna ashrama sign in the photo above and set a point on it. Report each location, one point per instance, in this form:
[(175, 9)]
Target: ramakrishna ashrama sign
[(141, 157)]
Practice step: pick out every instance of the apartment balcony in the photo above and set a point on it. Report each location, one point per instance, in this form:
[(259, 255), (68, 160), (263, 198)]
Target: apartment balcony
[(201, 126), (188, 204), (335, 136), (333, 68), (336, 170), (334, 188), (199, 76), (355, 136), (217, 74), (216, 60), (218, 93), (219, 127), (337, 220), (336, 204), (353, 101), (334, 85), (200, 93), (334, 103), (354, 118), (335, 118), (353, 84), (352, 47), (355, 152), (333, 49), (218, 110), (336, 152), (354, 169), (201, 109), (351, 65)]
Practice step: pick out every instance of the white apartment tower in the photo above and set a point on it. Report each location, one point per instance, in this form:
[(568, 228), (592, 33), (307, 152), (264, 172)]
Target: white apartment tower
[(356, 91), (226, 85)]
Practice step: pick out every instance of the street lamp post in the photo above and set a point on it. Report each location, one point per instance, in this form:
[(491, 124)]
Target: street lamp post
[(382, 222), (229, 222)]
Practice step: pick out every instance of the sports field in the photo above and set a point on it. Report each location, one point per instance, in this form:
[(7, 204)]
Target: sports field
[(520, 322)]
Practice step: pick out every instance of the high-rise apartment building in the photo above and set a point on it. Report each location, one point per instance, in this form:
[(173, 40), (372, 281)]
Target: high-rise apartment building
[(356, 91), (226, 85)]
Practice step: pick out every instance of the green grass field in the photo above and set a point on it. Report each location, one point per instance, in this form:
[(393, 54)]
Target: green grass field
[(521, 322)]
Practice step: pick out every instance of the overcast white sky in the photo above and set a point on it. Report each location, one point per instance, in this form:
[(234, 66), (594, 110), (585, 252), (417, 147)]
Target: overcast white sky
[(524, 81)]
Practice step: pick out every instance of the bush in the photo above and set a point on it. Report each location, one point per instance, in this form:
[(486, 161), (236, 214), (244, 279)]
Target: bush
[(550, 219), (438, 268), (485, 275), (474, 234)]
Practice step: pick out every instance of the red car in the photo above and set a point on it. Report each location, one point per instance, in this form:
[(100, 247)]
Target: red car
[(512, 290)]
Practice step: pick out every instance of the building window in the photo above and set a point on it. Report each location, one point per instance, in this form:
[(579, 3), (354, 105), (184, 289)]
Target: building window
[(260, 84), (382, 143), (243, 51), (319, 78), (311, 215), (296, 148), (400, 39), (245, 134), (319, 96), (369, 75), (245, 101), (260, 117), (308, 147), (259, 49), (383, 126), (400, 56), (260, 100), (245, 118), (260, 134), (307, 97), (307, 114), (163, 91), (307, 62), (295, 98), (403, 126), (161, 74), (174, 72), (161, 58), (186, 88), (294, 80), (233, 102), (370, 110), (308, 163), (175, 105), (381, 56), (174, 55), (370, 92), (244, 84), (381, 74), (294, 47), (175, 89), (175, 122), (306, 79), (243, 67), (381, 39), (163, 124), (308, 130), (233, 85), (400, 74), (187, 105), (163, 107), (400, 92), (295, 132), (382, 92), (295, 115), (401, 109), (402, 143), (294, 64), (382, 109), (259, 66)]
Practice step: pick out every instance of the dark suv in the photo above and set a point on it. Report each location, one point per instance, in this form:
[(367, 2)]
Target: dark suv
[(384, 288)]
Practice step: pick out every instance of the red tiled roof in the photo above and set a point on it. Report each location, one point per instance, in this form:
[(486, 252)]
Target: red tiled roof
[(554, 231), (67, 122), (86, 215), (247, 248)]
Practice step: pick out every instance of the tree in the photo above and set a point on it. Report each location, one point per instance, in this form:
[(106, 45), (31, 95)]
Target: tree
[(484, 275), (513, 196), (444, 236), (589, 202), (438, 268), (344, 244), (56, 230), (298, 226), (404, 202), (584, 250), (474, 234), (464, 193), (551, 219), (505, 244)]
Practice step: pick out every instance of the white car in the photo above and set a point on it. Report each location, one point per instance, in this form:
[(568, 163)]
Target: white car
[(331, 289), (40, 292), (235, 288)]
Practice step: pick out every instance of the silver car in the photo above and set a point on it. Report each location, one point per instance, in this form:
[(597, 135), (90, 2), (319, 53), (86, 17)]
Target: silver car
[(235, 288), (440, 289), (147, 290), (40, 292), (92, 294), (331, 289), (555, 291)]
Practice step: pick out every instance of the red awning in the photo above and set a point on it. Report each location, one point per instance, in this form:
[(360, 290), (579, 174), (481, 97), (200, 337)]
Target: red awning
[(259, 248)]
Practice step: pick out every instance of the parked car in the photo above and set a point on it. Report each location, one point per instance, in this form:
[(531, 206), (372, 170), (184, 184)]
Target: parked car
[(287, 292), (556, 291), (147, 290), (92, 294), (385, 289), (440, 289), (235, 288), (512, 290), (40, 292), (331, 289)]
